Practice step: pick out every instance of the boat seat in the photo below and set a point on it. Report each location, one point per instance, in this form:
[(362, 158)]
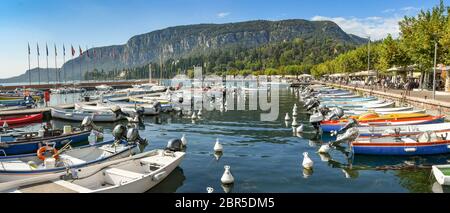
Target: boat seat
[(123, 173), (73, 160), (408, 140), (71, 186)]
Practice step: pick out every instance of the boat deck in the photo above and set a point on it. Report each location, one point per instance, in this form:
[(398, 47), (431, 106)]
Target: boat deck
[(48, 187)]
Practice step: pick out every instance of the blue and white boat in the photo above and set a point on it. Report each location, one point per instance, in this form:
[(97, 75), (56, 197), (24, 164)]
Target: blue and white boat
[(28, 142), (31, 165), (427, 143)]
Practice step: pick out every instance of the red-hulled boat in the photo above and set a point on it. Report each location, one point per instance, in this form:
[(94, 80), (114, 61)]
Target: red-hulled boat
[(21, 119)]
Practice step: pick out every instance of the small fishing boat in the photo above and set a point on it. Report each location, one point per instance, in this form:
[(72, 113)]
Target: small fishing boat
[(23, 119), (427, 143), (417, 111), (41, 163), (19, 142), (379, 110), (10, 108), (79, 115), (376, 131), (442, 174), (134, 174), (149, 109), (336, 125), (347, 100), (351, 104), (327, 97)]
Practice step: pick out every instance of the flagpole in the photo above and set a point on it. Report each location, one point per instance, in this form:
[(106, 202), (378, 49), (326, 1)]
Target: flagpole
[(73, 68), (48, 73), (87, 62), (39, 71), (56, 67), (80, 62), (29, 66), (64, 62)]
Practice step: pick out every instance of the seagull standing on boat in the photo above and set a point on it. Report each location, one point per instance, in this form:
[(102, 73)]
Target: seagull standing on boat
[(307, 162)]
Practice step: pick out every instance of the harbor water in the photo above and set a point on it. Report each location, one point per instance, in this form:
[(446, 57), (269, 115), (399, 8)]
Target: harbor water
[(267, 156)]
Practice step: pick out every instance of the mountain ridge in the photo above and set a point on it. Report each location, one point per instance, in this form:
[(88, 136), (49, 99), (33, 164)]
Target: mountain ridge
[(180, 41)]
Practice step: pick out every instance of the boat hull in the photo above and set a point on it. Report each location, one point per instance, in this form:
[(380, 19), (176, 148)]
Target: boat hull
[(401, 148), (24, 147), (22, 119), (7, 175), (328, 127), (79, 116)]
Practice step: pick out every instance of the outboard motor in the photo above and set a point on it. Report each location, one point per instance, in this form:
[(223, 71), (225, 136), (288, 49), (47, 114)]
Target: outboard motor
[(351, 123), (174, 145), (315, 103), (29, 101), (88, 124), (119, 132), (134, 137), (335, 114), (349, 135), (118, 111), (315, 120), (157, 105)]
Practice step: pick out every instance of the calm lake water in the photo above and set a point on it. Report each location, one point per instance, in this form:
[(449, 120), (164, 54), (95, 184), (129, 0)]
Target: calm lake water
[(267, 156)]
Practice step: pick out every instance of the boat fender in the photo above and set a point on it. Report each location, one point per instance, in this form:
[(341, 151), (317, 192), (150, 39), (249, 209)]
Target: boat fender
[(174, 145)]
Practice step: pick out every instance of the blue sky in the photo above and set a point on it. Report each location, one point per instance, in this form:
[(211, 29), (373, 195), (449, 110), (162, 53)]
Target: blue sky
[(106, 22)]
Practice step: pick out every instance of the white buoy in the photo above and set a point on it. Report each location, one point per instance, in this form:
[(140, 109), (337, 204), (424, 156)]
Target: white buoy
[(294, 122), (227, 177), (218, 147), (209, 189), (193, 116), (307, 162), (199, 113), (325, 148), (299, 129), (184, 140), (286, 118)]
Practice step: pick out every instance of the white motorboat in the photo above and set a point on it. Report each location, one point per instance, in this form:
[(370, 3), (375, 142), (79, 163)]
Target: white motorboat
[(134, 174), (79, 115), (402, 129), (40, 163), (442, 174)]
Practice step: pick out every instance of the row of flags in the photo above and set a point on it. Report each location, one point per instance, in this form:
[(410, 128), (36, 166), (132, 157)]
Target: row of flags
[(113, 54)]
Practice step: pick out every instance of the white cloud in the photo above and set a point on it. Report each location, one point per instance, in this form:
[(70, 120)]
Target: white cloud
[(410, 9), (390, 10), (223, 14), (375, 27)]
